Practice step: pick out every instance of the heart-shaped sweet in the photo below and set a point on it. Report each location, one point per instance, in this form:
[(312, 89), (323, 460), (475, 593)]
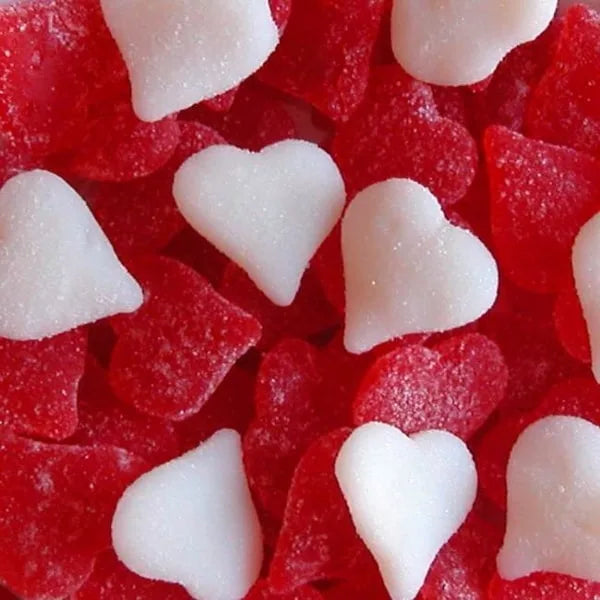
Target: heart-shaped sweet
[(553, 501), (460, 42), (188, 50), (407, 496), (407, 269), (57, 268), (586, 271), (191, 521), (267, 211)]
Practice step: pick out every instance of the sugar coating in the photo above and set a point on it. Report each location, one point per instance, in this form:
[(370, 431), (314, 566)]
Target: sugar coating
[(57, 268), (191, 521), (563, 5), (407, 269), (407, 496), (553, 500), (587, 282), (267, 211), (460, 42), (180, 52)]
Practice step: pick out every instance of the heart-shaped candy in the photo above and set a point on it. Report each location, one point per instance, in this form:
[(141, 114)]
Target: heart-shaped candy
[(407, 269), (57, 268), (407, 496), (553, 481), (459, 42), (267, 211), (586, 271), (191, 521), (188, 50)]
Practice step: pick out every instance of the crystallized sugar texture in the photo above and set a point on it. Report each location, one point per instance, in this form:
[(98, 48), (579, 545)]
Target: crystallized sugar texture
[(57, 268), (553, 498), (179, 52), (267, 211), (191, 521), (459, 42), (407, 496), (407, 269)]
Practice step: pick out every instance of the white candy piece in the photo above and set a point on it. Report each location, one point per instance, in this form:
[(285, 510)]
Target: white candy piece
[(57, 268), (553, 518), (460, 42), (179, 52), (192, 521), (267, 211), (407, 269), (586, 270), (407, 497)]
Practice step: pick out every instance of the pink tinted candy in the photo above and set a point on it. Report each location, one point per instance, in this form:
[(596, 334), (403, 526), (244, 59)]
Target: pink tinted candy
[(56, 508), (38, 384), (172, 354), (541, 195)]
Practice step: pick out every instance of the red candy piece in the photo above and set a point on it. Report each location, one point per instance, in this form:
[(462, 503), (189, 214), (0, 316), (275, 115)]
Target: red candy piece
[(172, 354), (290, 414), (223, 102), (570, 324), (38, 384), (281, 10), (140, 216), (318, 539), (56, 508), (255, 120), (565, 107), (543, 586), (110, 580), (309, 314), (117, 146), (331, 70), (261, 591), (105, 421), (453, 386), (541, 195), (398, 132), (329, 268)]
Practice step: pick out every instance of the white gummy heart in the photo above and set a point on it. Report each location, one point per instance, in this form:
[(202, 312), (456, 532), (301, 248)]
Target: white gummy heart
[(57, 268), (267, 211), (586, 270), (192, 521), (407, 497), (553, 508), (407, 269), (179, 52), (460, 42)]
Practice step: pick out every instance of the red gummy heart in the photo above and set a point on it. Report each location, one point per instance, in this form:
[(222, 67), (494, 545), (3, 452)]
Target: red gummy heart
[(398, 132), (172, 354), (541, 195), (570, 324), (261, 591), (331, 71), (141, 216), (38, 384), (110, 580), (56, 507), (565, 107), (309, 314), (105, 421), (455, 386), (117, 146), (290, 414), (318, 539), (544, 586)]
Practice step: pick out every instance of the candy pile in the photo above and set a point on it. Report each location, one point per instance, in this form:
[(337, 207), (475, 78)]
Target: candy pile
[(299, 300)]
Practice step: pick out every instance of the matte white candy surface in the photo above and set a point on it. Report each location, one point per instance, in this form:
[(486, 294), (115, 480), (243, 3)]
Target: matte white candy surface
[(459, 42), (407, 496), (267, 211), (586, 269), (57, 268), (179, 52), (407, 269), (553, 519), (192, 521)]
